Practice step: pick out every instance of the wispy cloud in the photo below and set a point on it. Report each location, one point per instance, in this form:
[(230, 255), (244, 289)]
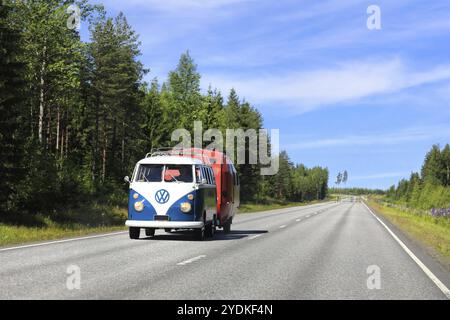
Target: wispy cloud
[(376, 139), (175, 5), (309, 90), (380, 176)]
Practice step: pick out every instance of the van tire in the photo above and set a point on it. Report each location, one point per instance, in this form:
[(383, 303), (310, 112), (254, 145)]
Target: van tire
[(150, 232), (227, 226), (199, 234), (134, 232)]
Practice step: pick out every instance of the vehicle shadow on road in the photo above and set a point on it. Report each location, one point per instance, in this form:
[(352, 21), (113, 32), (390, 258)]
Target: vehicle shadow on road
[(219, 236)]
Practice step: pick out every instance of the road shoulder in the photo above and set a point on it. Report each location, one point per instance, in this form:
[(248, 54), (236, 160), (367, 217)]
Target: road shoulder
[(429, 256)]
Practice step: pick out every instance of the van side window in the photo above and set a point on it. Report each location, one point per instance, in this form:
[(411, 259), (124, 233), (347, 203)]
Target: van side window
[(198, 174)]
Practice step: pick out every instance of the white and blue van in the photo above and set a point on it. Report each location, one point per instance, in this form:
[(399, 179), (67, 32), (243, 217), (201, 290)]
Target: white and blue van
[(172, 193)]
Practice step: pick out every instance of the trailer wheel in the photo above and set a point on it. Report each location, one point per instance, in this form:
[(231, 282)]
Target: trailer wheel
[(150, 232), (134, 232), (211, 229), (227, 226)]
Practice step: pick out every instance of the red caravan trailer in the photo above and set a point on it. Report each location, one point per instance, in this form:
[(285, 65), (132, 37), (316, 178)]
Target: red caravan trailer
[(227, 182)]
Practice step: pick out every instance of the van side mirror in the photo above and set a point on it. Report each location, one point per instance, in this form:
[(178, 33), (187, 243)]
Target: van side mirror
[(126, 179)]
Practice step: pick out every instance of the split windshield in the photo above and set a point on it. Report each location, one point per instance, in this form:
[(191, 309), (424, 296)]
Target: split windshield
[(168, 172)]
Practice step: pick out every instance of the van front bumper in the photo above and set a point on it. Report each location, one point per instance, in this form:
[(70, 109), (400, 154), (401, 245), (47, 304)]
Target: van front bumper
[(165, 224)]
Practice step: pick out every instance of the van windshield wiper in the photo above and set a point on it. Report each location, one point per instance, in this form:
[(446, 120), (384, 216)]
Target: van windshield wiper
[(173, 177), (166, 171)]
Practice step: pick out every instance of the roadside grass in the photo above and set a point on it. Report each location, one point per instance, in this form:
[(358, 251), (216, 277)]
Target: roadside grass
[(86, 220), (433, 232)]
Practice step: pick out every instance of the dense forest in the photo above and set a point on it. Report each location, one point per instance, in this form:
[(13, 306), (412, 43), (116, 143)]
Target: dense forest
[(76, 116), (431, 187)]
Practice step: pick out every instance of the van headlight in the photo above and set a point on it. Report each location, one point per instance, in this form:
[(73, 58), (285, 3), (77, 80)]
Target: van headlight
[(185, 207), (138, 206)]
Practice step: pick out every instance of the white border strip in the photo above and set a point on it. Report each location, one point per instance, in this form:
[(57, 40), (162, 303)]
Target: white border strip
[(424, 268), (62, 241)]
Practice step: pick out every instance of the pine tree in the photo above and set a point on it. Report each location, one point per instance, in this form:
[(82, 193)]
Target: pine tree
[(11, 109), (116, 82), (156, 119), (232, 110), (212, 115), (445, 165), (433, 166), (185, 96)]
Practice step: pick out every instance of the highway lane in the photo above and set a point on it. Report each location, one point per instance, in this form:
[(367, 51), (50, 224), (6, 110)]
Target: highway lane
[(319, 251)]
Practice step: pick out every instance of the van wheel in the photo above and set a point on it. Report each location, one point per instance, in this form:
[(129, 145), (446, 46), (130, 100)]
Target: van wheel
[(199, 234), (211, 229), (150, 232), (227, 226), (134, 232)]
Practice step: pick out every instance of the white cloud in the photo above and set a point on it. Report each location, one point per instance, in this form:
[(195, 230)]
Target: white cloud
[(380, 176), (392, 138), (309, 90), (174, 5)]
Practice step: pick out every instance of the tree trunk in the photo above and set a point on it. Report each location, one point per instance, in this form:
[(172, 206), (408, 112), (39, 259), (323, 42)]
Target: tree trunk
[(41, 96), (62, 144), (67, 133), (123, 146), (48, 134), (105, 145), (58, 123)]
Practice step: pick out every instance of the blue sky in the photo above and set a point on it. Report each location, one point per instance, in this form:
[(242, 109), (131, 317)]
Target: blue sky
[(343, 96)]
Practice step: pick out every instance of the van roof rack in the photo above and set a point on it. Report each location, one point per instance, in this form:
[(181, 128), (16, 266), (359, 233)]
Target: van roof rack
[(170, 151), (187, 152)]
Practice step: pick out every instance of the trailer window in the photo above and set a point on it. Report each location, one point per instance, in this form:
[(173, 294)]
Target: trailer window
[(213, 178)]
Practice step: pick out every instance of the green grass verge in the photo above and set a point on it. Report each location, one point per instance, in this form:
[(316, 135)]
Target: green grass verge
[(10, 235), (430, 231), (83, 221)]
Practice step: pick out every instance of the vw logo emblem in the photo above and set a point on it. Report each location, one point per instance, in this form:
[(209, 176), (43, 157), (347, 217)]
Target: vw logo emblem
[(162, 196)]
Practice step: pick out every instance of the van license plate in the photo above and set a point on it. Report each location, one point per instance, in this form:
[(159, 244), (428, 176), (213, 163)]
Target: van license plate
[(161, 218)]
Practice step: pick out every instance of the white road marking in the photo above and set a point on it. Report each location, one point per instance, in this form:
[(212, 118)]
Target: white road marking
[(185, 262), (255, 236), (424, 268), (283, 226), (62, 241)]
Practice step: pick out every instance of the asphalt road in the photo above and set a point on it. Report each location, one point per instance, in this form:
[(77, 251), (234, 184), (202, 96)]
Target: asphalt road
[(322, 251)]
